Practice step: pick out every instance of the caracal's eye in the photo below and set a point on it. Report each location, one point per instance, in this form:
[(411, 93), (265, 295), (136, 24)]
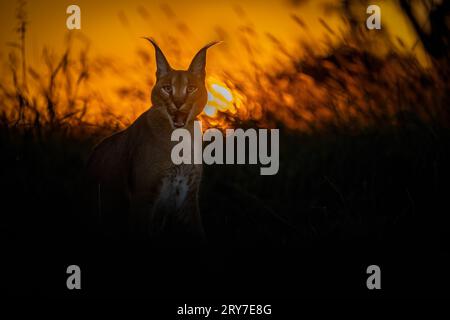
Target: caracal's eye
[(167, 89), (191, 89)]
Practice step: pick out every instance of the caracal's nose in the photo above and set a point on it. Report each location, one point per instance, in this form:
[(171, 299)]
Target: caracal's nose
[(178, 103)]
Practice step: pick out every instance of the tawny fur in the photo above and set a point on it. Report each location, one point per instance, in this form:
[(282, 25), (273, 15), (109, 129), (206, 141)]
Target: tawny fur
[(137, 183)]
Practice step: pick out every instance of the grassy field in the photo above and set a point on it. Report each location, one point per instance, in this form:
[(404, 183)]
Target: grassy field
[(340, 201), (364, 167), (364, 152), (329, 187)]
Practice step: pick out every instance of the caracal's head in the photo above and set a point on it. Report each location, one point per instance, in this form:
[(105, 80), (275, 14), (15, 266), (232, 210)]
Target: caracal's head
[(181, 94)]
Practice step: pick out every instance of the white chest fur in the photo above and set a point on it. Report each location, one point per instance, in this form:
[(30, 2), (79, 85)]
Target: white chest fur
[(174, 190), (177, 185)]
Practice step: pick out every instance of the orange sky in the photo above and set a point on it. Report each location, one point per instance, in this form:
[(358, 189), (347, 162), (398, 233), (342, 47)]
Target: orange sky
[(114, 28)]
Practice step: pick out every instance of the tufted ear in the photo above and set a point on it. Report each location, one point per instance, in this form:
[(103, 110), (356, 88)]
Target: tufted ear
[(162, 66), (198, 64)]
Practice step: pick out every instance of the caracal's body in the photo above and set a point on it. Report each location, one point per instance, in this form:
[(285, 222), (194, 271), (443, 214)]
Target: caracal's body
[(138, 187)]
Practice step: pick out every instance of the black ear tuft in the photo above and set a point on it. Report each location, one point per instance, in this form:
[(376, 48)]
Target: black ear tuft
[(198, 64), (162, 66)]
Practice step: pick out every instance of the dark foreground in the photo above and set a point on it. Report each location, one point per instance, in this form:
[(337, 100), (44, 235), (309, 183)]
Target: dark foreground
[(339, 203)]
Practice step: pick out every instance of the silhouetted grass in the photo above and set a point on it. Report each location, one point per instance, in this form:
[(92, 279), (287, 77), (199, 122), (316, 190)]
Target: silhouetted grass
[(364, 148)]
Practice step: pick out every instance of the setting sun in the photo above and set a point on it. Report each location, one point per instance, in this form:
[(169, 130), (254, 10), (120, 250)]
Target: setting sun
[(220, 98)]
